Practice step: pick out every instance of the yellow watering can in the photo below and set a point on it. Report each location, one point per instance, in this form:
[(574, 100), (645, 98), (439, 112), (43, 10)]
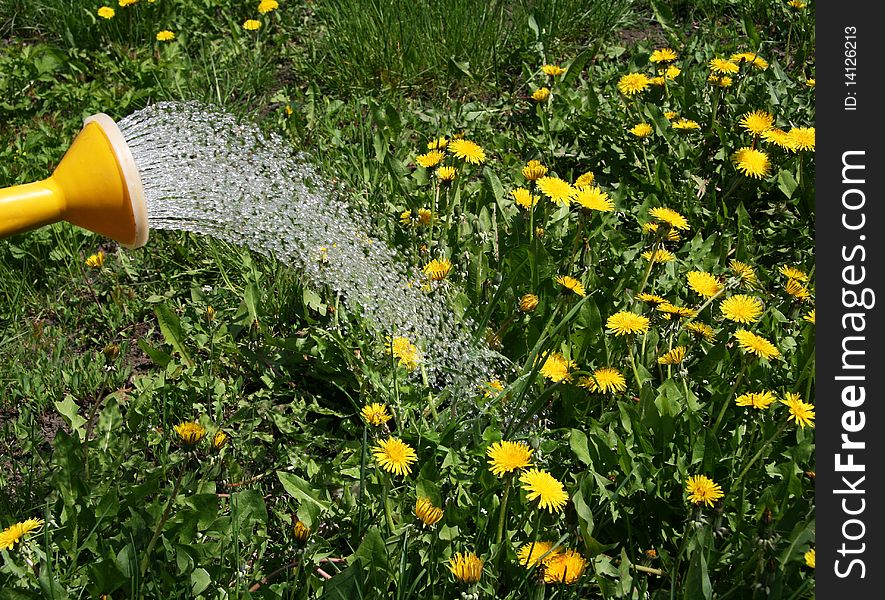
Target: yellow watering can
[(95, 186)]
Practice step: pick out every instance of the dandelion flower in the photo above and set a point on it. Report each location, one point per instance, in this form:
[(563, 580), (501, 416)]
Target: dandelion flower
[(659, 80), (633, 83), (95, 260), (533, 553), (741, 308), (534, 170), (394, 456), (564, 568), (778, 137), (507, 457), (405, 351), (809, 317), (670, 114), (165, 36), (810, 82), (125, 3), (524, 198), (757, 122), (750, 58), (810, 555), (251, 25), (701, 331), (300, 531), (546, 489), (604, 380), (757, 400), (445, 174), (743, 272), (541, 94), (652, 299), (220, 440), (584, 180), (266, 6), (559, 191), (641, 130), (663, 55), (593, 198), (754, 344), (672, 72), (528, 303), (723, 66), (552, 70), (190, 433), (493, 388), (106, 12), (800, 412), (466, 567), (684, 124), (723, 82), (468, 151), (751, 162), (704, 283), (702, 490), (801, 138), (375, 414), (438, 269), (430, 159), (15, 532), (673, 357), (439, 143), (796, 5), (659, 256), (556, 368), (570, 283), (797, 290), (793, 273), (672, 311), (429, 514), (627, 323)]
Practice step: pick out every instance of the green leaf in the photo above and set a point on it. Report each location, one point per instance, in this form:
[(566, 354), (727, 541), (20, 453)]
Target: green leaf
[(786, 183), (200, 580), (697, 582), (577, 441), (160, 358), (69, 410), (302, 491), (574, 69), (170, 327)]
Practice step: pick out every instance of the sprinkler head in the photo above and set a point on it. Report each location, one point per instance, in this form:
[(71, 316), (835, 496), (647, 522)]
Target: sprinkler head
[(95, 186)]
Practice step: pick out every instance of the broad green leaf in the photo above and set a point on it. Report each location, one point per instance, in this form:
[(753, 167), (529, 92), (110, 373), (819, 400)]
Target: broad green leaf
[(170, 327)]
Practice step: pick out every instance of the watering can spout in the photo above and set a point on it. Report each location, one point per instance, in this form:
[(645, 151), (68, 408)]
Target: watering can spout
[(95, 186)]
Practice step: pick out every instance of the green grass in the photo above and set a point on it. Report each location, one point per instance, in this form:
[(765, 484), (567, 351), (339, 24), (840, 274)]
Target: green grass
[(98, 365)]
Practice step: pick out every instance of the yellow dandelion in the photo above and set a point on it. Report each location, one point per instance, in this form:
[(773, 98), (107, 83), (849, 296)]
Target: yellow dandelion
[(593, 198), (641, 130), (439, 143), (528, 303), (744, 272), (672, 311), (723, 82), (165, 36), (552, 70), (796, 5), (604, 380), (466, 567), (430, 159), (627, 323), (705, 284), (754, 344), (375, 414), (778, 137), (652, 299), (251, 25), (673, 357), (722, 66), (534, 170), (493, 388), (524, 198), (750, 58), (751, 162), (266, 6), (570, 283), (541, 94), (564, 568), (559, 191), (800, 412), (659, 256), (547, 490), (529, 555), (106, 12), (810, 82), (190, 433), (508, 457), (408, 354), (670, 234), (96, 260), (300, 531), (741, 308), (670, 217), (757, 122), (13, 534), (429, 514), (684, 124), (438, 269), (793, 273), (797, 290), (809, 316), (633, 83), (585, 180), (810, 555), (663, 55), (125, 3), (395, 456), (672, 72), (757, 400), (445, 174), (659, 80), (220, 440), (467, 151), (701, 331), (801, 138), (703, 490), (670, 114), (557, 368)]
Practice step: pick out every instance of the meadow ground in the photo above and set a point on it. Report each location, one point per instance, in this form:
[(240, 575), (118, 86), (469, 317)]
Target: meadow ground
[(616, 196)]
